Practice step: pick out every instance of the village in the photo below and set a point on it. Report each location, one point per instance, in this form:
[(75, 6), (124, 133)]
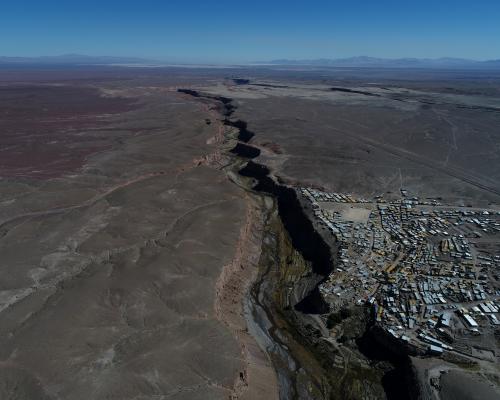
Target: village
[(429, 271)]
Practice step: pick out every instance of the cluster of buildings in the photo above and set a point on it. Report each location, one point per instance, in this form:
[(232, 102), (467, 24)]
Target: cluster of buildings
[(429, 271)]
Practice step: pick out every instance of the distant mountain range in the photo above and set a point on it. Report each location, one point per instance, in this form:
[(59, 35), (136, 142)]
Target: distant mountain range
[(366, 62), (373, 62), (74, 59)]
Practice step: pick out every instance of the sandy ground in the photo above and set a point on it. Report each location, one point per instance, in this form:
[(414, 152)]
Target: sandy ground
[(427, 142), (459, 385), (349, 212), (121, 278), (124, 268)]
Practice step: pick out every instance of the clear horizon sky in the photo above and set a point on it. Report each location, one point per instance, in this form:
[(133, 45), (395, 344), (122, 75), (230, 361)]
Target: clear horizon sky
[(236, 31)]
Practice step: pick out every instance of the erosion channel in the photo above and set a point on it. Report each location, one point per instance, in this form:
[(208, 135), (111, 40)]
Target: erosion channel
[(284, 310)]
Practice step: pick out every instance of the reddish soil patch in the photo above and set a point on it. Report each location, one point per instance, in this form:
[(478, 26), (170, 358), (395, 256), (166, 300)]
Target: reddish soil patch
[(48, 131)]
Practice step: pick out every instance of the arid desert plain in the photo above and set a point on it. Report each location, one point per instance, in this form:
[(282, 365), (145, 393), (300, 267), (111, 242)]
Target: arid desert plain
[(249, 233)]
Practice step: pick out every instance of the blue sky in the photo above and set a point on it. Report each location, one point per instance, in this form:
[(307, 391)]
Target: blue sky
[(245, 31)]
